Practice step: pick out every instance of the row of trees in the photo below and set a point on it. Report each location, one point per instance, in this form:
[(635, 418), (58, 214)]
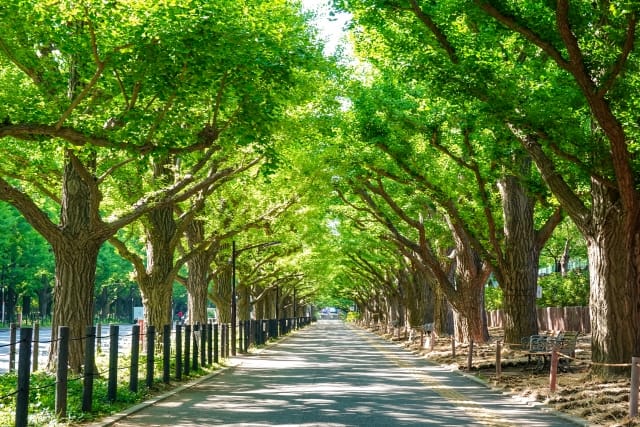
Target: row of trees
[(475, 128), (158, 126), (457, 143)]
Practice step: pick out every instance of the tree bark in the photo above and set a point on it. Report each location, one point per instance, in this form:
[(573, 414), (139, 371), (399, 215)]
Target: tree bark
[(613, 294), (518, 275)]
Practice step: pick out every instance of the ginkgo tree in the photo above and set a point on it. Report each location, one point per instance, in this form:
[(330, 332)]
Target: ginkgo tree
[(94, 90)]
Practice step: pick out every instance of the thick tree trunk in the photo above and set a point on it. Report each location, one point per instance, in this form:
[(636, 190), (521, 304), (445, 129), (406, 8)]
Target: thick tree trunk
[(75, 277), (157, 285), (519, 271), (221, 294), (197, 289), (156, 299), (613, 291), (76, 253)]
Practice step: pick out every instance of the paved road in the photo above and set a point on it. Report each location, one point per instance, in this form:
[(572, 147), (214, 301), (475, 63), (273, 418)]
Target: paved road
[(332, 375)]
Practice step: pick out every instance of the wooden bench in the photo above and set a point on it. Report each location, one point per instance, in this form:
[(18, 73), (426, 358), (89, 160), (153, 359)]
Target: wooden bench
[(541, 347)]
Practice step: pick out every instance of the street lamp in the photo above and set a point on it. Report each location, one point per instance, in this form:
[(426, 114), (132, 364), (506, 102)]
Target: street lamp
[(234, 308)]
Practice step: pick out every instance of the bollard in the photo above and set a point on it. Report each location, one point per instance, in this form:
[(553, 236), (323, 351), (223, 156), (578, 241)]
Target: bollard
[(633, 396), (62, 370), (470, 356), (178, 352), (498, 360), (135, 358), (112, 384), (553, 374), (24, 358)]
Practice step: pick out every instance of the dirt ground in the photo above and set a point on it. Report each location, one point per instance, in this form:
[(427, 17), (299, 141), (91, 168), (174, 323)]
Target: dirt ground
[(577, 392)]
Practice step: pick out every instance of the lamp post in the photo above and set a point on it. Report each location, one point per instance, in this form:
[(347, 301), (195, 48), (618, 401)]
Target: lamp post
[(234, 307)]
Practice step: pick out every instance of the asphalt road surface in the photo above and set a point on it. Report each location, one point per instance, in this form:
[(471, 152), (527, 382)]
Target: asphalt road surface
[(331, 374)]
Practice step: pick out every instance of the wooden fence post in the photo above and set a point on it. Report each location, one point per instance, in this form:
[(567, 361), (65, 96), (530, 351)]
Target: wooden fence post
[(151, 337), (112, 385), (166, 354), (135, 358), (553, 374), (498, 360), (12, 347), (178, 352), (89, 367), (36, 338), (24, 370), (470, 356), (216, 347), (453, 346), (203, 344), (196, 343), (187, 349), (210, 343), (633, 396), (62, 370)]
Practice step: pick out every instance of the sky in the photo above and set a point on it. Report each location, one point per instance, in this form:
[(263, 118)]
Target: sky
[(330, 25)]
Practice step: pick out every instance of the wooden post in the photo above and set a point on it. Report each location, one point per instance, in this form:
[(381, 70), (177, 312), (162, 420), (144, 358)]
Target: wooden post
[(166, 354), (453, 346), (112, 385), (633, 396), (135, 358), (62, 370), (498, 360), (187, 349), (196, 344), (216, 342), (89, 367), (151, 336), (12, 347), (203, 344), (209, 343), (36, 338), (24, 359), (178, 351), (553, 374), (99, 337), (470, 356)]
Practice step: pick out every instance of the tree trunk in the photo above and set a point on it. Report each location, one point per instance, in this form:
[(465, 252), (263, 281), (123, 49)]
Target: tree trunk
[(76, 253), (519, 271), (197, 288), (157, 285), (221, 294), (613, 294), (76, 263)]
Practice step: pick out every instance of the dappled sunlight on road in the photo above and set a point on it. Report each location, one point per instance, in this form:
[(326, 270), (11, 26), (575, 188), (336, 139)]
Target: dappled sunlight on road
[(329, 375)]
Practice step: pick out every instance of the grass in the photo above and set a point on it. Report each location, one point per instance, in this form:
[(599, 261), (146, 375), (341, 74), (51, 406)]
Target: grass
[(42, 392)]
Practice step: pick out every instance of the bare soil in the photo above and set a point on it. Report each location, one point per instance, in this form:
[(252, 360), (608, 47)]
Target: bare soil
[(578, 393)]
